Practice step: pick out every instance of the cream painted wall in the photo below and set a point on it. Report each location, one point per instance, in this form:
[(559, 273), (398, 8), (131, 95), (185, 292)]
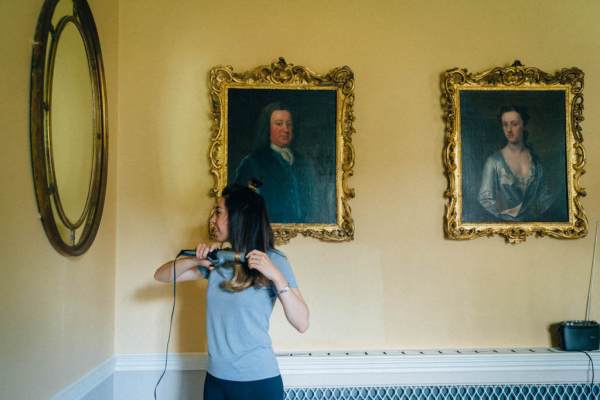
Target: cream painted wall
[(399, 284), (57, 313)]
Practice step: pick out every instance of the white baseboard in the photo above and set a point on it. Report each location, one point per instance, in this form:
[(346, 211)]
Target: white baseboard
[(377, 368)]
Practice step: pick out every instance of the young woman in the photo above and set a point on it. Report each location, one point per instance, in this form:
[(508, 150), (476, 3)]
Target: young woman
[(240, 299), (513, 187)]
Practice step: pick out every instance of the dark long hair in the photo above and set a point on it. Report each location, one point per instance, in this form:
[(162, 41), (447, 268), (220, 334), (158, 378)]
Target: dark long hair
[(249, 229), (263, 125)]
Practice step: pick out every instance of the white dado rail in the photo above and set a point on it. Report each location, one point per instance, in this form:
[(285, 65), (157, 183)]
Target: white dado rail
[(408, 367)]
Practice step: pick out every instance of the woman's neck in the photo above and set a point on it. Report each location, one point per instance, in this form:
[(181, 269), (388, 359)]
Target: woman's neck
[(515, 147)]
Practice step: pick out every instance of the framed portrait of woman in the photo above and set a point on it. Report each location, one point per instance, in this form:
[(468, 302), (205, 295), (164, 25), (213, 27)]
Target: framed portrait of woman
[(288, 129), (513, 153)]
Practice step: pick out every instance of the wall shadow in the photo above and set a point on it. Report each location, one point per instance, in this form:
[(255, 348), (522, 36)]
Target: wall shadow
[(554, 332)]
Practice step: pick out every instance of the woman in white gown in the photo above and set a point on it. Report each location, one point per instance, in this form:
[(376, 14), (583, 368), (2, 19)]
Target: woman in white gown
[(513, 187)]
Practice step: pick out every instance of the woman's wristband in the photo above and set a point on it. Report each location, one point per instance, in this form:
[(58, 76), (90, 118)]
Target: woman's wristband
[(284, 289)]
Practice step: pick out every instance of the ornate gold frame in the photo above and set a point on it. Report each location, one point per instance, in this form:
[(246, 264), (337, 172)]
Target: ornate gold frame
[(514, 77), (281, 75)]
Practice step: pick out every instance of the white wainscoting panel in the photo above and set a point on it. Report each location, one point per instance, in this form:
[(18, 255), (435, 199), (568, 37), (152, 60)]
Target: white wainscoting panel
[(349, 369), (92, 382), (436, 367)]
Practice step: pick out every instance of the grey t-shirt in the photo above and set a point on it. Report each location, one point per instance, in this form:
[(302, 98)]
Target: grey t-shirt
[(237, 325)]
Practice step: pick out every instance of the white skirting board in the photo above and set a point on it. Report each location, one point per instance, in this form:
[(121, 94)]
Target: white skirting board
[(378, 368)]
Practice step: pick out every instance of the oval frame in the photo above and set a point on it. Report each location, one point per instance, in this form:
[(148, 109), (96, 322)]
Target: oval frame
[(45, 43)]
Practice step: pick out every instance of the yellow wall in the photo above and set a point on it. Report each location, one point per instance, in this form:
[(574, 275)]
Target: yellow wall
[(399, 284), (57, 313)]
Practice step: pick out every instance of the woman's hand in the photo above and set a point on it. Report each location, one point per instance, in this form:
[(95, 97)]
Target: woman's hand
[(202, 251), (513, 212), (261, 262), (185, 268)]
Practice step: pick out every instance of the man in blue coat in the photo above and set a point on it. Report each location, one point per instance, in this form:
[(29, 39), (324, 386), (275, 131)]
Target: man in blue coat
[(288, 178)]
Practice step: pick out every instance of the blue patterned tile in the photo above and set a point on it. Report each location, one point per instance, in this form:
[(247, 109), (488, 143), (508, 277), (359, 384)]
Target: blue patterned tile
[(483, 392)]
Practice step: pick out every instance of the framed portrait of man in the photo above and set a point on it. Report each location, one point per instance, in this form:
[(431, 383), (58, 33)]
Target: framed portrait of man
[(513, 155), (287, 131)]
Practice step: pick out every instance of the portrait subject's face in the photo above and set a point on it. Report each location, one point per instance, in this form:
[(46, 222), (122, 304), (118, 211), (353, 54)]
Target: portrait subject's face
[(281, 128), (219, 222), (513, 127)]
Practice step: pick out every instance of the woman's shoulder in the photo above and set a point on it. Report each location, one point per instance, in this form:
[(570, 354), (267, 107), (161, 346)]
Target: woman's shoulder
[(496, 155), (276, 254), (281, 261), (494, 159), (279, 258)]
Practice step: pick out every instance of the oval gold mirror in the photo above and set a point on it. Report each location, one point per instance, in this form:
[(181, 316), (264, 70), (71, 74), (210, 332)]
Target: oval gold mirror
[(68, 125)]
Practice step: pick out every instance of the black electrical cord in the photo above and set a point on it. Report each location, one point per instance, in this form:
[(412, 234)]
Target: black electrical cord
[(592, 364), (170, 328)]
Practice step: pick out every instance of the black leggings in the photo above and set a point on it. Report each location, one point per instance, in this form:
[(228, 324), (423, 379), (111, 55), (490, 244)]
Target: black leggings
[(264, 389)]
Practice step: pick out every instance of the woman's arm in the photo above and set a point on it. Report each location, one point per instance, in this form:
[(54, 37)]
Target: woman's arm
[(294, 306), (487, 190), (186, 268)]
